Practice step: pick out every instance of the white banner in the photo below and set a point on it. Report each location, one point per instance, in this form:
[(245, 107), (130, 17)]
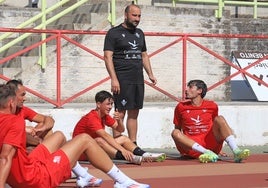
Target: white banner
[(246, 84)]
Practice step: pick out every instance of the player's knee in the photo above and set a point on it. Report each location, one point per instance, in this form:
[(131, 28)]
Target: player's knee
[(122, 139), (219, 120), (60, 135), (84, 138)]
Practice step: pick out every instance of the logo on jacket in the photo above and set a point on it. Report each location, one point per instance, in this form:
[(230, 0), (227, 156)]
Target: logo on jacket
[(133, 45)]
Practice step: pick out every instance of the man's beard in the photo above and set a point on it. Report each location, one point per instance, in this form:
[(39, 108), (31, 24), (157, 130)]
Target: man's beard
[(130, 25)]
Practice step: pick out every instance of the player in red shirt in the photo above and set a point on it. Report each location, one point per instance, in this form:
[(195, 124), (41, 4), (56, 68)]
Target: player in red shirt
[(50, 163), (44, 123), (199, 130), (121, 147), (35, 135)]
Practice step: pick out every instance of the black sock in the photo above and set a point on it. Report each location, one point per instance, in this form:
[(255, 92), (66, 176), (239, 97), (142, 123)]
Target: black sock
[(138, 151), (119, 156)]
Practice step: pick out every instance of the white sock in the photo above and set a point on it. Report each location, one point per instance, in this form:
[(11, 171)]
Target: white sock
[(81, 172), (117, 175), (231, 142), (199, 148)]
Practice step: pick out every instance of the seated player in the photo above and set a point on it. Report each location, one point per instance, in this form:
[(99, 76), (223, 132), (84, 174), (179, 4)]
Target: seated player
[(51, 162), (44, 124), (120, 147), (199, 130)]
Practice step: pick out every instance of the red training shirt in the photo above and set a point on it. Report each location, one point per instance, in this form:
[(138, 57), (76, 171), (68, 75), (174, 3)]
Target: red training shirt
[(195, 120), (91, 122), (26, 113), (22, 172)]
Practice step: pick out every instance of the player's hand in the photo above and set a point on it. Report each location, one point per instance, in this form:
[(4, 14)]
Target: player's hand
[(116, 115), (40, 131), (128, 155), (30, 130)]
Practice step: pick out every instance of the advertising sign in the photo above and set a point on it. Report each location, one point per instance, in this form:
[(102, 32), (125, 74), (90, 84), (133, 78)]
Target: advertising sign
[(244, 87)]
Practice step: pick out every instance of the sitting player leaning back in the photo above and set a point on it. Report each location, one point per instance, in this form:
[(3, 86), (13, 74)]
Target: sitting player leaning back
[(199, 130)]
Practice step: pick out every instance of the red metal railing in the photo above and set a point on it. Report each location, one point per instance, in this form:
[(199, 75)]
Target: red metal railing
[(184, 38)]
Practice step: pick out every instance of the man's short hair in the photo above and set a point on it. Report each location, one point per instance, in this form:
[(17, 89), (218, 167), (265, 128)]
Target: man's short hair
[(15, 83), (200, 84), (6, 92), (128, 7), (102, 96)]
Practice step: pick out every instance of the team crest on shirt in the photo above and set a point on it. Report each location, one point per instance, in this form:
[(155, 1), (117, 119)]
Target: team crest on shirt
[(197, 120), (57, 159), (137, 35), (124, 102)]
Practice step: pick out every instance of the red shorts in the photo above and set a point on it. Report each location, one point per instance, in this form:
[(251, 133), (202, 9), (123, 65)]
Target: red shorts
[(55, 169), (83, 157), (209, 142)]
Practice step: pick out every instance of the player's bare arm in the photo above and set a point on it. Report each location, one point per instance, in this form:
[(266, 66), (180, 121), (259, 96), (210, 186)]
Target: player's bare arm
[(44, 124), (6, 155), (118, 125)]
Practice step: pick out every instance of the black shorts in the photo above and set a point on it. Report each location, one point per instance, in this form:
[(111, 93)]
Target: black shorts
[(131, 97)]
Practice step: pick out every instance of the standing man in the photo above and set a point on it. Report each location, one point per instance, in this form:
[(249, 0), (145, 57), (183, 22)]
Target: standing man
[(199, 130), (44, 123), (125, 57)]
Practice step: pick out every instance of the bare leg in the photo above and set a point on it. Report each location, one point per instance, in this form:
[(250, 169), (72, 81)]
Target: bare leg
[(54, 141), (32, 141), (110, 150), (46, 134), (126, 143), (121, 140), (84, 143), (181, 140), (132, 124), (221, 129), (97, 156)]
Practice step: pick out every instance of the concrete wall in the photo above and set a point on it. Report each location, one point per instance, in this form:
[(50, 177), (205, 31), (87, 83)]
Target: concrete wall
[(248, 121)]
